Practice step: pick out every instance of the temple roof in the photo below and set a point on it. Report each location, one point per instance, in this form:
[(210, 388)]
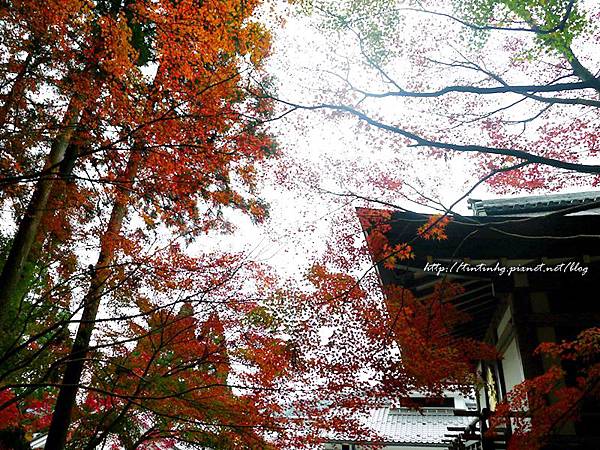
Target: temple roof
[(532, 205), (405, 426), (409, 426), (491, 241)]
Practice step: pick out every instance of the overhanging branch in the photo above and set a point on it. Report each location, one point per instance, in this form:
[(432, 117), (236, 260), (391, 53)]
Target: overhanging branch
[(423, 142)]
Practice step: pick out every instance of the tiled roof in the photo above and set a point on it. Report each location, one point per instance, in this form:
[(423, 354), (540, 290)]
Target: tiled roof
[(531, 204), (408, 426)]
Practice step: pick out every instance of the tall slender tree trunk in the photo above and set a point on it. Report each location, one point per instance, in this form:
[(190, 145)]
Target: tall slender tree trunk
[(28, 227), (65, 403), (12, 335), (73, 151), (63, 410)]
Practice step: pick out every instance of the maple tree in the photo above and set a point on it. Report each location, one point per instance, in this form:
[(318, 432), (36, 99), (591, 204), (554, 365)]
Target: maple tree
[(172, 387), (168, 150), (421, 329), (539, 406)]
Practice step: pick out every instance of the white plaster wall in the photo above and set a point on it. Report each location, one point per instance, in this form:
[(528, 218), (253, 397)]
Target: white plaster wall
[(511, 363)]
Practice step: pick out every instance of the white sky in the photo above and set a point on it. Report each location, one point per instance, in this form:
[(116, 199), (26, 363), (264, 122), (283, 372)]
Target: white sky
[(326, 155)]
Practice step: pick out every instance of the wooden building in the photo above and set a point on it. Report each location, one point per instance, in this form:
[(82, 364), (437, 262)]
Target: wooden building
[(530, 269)]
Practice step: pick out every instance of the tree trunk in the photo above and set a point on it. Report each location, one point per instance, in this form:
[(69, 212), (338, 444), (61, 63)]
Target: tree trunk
[(581, 71), (36, 256), (65, 403), (28, 227)]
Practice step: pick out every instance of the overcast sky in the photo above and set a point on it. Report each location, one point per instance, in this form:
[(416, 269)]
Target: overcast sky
[(322, 154)]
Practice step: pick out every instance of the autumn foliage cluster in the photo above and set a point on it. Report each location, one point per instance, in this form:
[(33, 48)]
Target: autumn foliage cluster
[(127, 130)]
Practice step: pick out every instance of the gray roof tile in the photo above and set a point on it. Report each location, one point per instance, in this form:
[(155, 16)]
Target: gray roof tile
[(404, 425), (531, 204)]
